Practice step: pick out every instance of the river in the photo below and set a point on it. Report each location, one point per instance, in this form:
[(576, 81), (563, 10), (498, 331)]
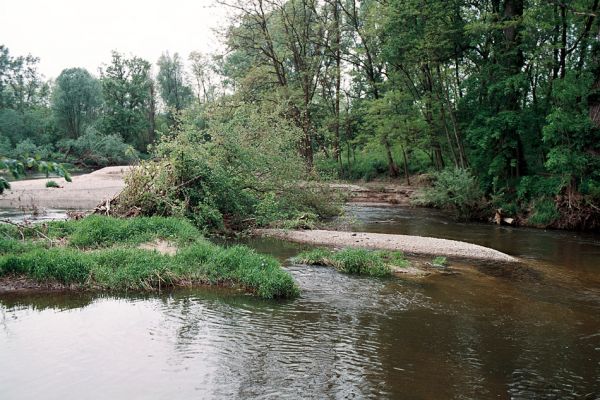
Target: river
[(486, 332)]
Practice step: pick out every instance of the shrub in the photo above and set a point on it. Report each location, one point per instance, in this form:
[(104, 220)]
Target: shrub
[(94, 148), (52, 184), (531, 187), (243, 169), (455, 189), (544, 212)]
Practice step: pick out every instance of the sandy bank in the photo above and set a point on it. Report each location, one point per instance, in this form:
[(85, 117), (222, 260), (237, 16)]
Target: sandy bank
[(84, 193), (416, 245)]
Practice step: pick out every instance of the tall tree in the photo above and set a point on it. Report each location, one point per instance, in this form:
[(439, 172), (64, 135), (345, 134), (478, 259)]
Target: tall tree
[(126, 88), (76, 100), (173, 88)]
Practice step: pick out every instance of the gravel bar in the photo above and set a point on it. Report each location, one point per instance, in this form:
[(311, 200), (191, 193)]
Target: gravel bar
[(416, 245)]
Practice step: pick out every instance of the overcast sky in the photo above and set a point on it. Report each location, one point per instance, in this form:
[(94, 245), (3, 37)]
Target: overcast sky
[(82, 33)]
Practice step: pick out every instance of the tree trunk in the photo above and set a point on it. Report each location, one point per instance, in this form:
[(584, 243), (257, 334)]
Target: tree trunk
[(392, 167), (338, 80), (594, 98), (406, 174)]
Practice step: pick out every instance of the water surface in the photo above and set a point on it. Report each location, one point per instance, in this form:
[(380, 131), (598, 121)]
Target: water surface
[(479, 334)]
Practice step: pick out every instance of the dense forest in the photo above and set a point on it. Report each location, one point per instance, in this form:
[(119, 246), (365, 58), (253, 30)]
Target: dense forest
[(489, 99)]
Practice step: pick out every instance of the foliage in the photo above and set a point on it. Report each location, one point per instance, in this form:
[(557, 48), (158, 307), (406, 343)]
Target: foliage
[(119, 265), (507, 89), (16, 168), (171, 79), (455, 189), (128, 101), (439, 262), (52, 184), (544, 212), (244, 169), (76, 100), (96, 149), (355, 261)]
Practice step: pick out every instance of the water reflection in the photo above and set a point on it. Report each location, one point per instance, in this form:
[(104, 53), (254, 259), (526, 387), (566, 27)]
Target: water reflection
[(561, 248), (463, 336), (485, 333)]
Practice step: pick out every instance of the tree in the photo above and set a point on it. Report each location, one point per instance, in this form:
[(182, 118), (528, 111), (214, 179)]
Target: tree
[(173, 88), (203, 73), (127, 91), (76, 100)]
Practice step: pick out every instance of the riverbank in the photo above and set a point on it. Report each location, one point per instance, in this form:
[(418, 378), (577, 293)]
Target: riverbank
[(413, 245), (86, 191)]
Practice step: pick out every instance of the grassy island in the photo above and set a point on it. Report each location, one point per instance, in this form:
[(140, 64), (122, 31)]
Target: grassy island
[(105, 253), (355, 261)]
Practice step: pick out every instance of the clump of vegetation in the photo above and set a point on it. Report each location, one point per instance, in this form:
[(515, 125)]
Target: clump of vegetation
[(242, 171), (52, 184), (355, 261), (454, 189), (439, 262), (99, 150), (544, 212), (62, 252)]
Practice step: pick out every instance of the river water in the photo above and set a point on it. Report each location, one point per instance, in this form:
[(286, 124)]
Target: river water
[(487, 332)]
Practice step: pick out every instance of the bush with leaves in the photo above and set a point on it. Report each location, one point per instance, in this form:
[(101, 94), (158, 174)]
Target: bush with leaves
[(244, 169), (454, 189), (96, 149)]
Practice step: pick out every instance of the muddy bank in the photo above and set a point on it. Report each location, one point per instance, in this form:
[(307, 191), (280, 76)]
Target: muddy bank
[(414, 245), (84, 193)]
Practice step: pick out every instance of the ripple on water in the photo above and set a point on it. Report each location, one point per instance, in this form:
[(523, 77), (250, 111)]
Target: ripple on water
[(465, 336)]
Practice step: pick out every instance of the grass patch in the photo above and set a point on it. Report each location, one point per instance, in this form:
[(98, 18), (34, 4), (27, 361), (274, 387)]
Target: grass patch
[(355, 261), (544, 213), (101, 253), (52, 184), (439, 262)]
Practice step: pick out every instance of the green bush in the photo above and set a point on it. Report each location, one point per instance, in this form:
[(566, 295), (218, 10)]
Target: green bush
[(544, 212), (52, 184), (96, 149), (454, 189), (530, 187), (243, 170)]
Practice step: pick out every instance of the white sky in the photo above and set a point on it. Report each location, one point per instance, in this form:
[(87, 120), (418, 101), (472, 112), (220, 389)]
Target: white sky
[(82, 33)]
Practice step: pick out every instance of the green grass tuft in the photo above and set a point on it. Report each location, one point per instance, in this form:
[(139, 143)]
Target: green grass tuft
[(439, 262), (97, 231), (355, 261), (52, 184)]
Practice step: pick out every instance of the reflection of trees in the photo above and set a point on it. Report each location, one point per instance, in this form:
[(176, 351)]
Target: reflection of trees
[(40, 301)]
